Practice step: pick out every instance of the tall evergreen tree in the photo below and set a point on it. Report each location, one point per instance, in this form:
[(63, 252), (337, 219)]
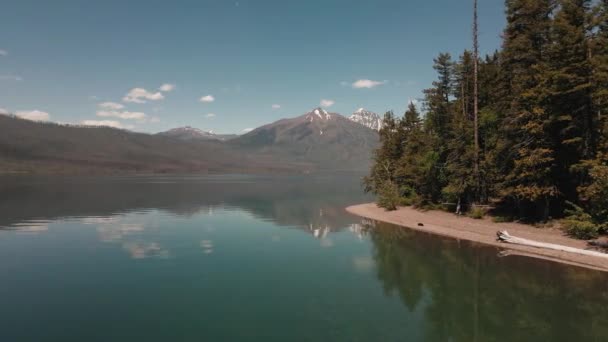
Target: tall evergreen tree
[(542, 139), (527, 147), (568, 92), (437, 99), (599, 73), (418, 173), (387, 155)]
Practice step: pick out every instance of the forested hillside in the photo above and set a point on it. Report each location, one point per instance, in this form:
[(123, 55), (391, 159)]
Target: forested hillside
[(539, 114), (43, 148)]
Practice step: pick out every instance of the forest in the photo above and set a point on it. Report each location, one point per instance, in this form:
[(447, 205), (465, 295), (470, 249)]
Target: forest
[(521, 132)]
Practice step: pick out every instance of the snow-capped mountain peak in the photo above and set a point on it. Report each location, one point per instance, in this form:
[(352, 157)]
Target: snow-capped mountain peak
[(192, 133), (367, 119), (318, 114), (188, 130)]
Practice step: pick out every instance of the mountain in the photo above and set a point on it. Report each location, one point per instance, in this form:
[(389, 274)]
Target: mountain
[(327, 140), (43, 147), (191, 133), (315, 141), (367, 119)]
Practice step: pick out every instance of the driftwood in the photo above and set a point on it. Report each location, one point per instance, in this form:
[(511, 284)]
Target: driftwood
[(600, 244), (505, 237)]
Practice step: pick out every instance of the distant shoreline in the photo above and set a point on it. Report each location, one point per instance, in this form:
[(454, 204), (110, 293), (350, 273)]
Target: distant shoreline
[(483, 231)]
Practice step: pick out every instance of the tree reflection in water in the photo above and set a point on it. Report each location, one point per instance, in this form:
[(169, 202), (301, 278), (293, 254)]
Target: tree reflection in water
[(468, 293)]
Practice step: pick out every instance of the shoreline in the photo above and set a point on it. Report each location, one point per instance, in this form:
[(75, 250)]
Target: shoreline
[(484, 231)]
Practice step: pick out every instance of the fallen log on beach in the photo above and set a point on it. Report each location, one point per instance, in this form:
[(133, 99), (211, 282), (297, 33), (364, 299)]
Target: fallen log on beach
[(504, 236), (599, 244)]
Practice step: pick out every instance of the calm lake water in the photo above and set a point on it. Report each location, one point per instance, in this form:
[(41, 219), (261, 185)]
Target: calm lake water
[(249, 258)]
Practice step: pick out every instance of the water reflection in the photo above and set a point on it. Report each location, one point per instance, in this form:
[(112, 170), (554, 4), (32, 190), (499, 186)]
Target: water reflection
[(142, 250), (312, 204), (278, 256), (207, 246), (30, 226), (468, 294)]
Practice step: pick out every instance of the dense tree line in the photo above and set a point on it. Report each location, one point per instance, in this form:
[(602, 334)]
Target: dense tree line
[(543, 132)]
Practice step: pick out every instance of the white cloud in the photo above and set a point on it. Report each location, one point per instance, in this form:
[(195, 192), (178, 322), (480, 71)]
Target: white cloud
[(207, 98), (93, 98), (359, 84), (111, 105), (3, 53), (11, 78), (326, 243), (413, 101), (34, 227), (34, 115), (122, 115), (4, 111), (363, 263), (108, 123), (154, 120), (276, 106), (327, 103), (210, 115), (167, 87), (247, 130), (141, 95)]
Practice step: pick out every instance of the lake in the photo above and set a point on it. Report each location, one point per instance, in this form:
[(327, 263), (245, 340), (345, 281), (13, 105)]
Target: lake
[(254, 258)]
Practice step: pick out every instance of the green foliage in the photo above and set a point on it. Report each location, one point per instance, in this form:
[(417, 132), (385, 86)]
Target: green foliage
[(595, 193), (502, 219), (591, 217), (477, 213), (579, 224), (388, 196), (584, 230), (543, 123)]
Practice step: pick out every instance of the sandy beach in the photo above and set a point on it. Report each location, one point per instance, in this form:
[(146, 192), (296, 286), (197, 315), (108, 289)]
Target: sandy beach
[(484, 231)]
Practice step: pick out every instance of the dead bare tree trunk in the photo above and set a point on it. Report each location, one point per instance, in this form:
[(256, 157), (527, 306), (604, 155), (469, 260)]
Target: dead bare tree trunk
[(476, 97), (504, 236)]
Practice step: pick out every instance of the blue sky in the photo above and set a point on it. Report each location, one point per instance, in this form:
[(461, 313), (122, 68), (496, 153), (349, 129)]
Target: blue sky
[(65, 58)]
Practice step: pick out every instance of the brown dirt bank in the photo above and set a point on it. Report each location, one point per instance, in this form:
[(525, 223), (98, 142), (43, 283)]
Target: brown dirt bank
[(484, 231)]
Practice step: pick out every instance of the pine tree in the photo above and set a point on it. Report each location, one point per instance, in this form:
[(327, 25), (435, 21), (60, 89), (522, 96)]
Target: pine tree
[(386, 156), (568, 89), (527, 146), (418, 174), (542, 122), (490, 118), (411, 119), (599, 64), (437, 99), (464, 84), (461, 182)]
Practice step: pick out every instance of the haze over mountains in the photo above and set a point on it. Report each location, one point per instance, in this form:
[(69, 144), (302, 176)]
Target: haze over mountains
[(191, 133), (315, 141)]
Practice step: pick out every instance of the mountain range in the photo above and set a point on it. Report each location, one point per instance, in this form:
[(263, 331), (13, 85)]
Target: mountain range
[(315, 141), (191, 133)]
